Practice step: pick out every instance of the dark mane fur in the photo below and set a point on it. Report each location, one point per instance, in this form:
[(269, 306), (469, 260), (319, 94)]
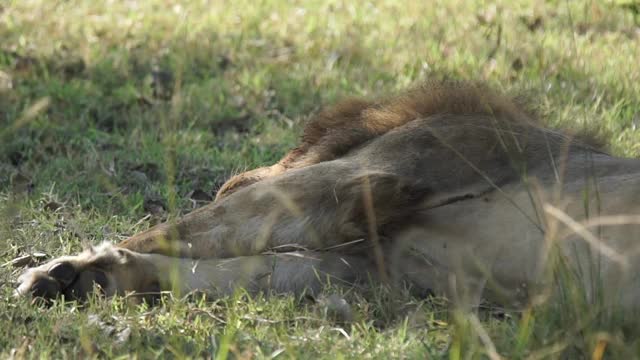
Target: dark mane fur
[(352, 122)]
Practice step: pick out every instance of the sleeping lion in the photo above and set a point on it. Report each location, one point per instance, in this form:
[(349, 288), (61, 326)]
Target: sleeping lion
[(449, 189)]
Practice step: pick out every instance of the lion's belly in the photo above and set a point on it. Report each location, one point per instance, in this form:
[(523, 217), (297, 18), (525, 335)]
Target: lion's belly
[(499, 245)]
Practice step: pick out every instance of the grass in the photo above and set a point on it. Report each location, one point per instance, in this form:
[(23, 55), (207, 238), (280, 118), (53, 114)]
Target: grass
[(116, 115)]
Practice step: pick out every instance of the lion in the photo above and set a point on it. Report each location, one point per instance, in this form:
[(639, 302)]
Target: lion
[(450, 188)]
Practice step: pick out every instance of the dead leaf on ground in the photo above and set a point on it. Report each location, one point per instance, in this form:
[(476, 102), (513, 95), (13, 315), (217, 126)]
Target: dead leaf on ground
[(6, 82), (150, 170), (155, 206), (517, 64), (337, 308), (21, 351), (488, 16), (200, 195), (532, 23), (224, 62), (21, 183), (26, 260), (73, 68), (138, 177), (240, 123), (23, 64), (162, 83), (202, 177), (52, 206), (20, 261), (123, 336), (16, 158)]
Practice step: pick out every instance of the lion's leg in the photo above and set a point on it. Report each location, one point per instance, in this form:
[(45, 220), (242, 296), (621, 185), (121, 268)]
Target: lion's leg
[(311, 208), (314, 208), (114, 270), (119, 271), (293, 272)]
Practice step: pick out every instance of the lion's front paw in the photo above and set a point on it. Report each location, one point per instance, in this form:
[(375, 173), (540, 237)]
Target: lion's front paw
[(106, 268)]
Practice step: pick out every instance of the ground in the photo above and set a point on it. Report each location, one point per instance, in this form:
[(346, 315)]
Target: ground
[(115, 115)]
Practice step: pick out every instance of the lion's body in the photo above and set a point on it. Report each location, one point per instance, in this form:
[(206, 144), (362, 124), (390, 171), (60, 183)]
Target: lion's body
[(450, 189)]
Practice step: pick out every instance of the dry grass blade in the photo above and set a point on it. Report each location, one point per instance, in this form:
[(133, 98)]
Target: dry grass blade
[(492, 353), (27, 116), (586, 235)]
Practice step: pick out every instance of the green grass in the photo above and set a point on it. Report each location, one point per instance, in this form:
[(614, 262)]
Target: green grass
[(113, 113)]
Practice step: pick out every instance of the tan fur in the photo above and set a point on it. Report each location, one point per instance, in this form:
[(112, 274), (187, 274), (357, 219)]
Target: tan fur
[(418, 188)]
